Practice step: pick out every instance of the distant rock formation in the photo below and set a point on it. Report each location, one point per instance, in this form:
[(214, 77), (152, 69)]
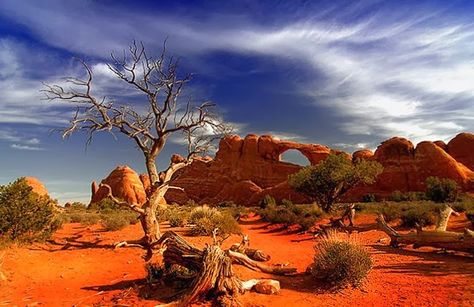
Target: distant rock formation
[(37, 186), (125, 184), (245, 170), (406, 167)]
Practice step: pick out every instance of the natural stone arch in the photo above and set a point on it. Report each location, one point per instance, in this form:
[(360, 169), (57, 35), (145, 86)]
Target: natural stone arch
[(294, 156)]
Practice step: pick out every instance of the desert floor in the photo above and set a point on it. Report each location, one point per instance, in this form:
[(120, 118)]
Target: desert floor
[(79, 267)]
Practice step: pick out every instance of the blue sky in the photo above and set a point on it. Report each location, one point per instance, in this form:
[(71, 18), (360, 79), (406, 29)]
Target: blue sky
[(346, 74)]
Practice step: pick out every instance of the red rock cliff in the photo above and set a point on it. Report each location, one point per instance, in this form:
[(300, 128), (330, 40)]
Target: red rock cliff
[(244, 170)]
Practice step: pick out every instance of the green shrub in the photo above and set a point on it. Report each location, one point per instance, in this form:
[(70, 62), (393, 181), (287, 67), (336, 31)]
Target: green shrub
[(267, 201), (441, 189), (113, 222), (75, 206), (391, 212), (205, 219), (178, 218), (25, 215), (106, 205), (85, 218), (369, 198), (333, 177), (421, 216), (340, 262), (290, 214), (465, 203)]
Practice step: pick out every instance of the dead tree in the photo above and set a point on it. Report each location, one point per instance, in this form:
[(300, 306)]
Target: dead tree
[(213, 266), (439, 237), (165, 114), (244, 248)]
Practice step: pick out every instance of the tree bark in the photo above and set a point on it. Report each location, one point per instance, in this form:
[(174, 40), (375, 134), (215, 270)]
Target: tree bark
[(457, 241), (213, 265)]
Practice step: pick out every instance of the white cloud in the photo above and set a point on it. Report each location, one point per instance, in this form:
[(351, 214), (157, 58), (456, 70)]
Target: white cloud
[(393, 72), (25, 147)]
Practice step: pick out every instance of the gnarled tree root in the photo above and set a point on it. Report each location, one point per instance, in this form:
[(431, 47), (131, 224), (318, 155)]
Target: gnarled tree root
[(215, 277)]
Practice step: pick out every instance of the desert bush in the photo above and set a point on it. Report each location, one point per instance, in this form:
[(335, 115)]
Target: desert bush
[(25, 215), (398, 196), (178, 218), (332, 178), (113, 222), (441, 189), (465, 203), (390, 212), (267, 201), (290, 214), (369, 198), (106, 205), (85, 218), (340, 262), (419, 215), (205, 219)]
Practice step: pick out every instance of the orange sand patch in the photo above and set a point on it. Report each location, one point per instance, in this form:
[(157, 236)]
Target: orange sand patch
[(82, 269)]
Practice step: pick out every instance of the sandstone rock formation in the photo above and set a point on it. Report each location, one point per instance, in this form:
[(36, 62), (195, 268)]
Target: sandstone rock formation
[(125, 184), (461, 148), (406, 167), (37, 186), (244, 170)]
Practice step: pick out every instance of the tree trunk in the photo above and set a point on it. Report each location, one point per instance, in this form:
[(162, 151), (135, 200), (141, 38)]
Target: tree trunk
[(435, 238), (150, 225), (215, 276)]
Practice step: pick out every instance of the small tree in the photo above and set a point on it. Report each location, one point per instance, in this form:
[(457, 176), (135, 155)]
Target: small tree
[(328, 181), (149, 124), (25, 215), (441, 189)]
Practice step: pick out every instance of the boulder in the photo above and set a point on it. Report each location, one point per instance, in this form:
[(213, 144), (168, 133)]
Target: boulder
[(461, 148), (363, 154), (125, 184), (267, 286)]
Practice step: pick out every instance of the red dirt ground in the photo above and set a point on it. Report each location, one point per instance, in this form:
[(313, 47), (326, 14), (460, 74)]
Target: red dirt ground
[(81, 269)]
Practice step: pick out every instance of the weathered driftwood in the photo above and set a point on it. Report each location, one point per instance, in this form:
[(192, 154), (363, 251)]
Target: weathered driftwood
[(254, 254), (435, 238), (213, 265)]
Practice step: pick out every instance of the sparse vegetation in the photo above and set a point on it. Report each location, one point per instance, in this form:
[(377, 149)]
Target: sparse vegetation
[(205, 219), (328, 181), (289, 214), (369, 198), (117, 221), (24, 215), (340, 262), (418, 216), (441, 189), (398, 196)]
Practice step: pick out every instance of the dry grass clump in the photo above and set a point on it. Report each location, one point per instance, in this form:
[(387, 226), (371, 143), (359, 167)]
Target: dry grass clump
[(205, 219), (340, 261), (118, 220)]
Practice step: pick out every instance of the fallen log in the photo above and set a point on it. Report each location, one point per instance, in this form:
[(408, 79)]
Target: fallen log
[(458, 241), (214, 273), (244, 248)]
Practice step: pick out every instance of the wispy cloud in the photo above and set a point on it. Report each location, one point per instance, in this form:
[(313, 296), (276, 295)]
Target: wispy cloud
[(25, 147), (20, 142), (406, 71)]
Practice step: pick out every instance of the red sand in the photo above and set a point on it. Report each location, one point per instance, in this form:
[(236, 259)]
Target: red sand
[(82, 269)]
